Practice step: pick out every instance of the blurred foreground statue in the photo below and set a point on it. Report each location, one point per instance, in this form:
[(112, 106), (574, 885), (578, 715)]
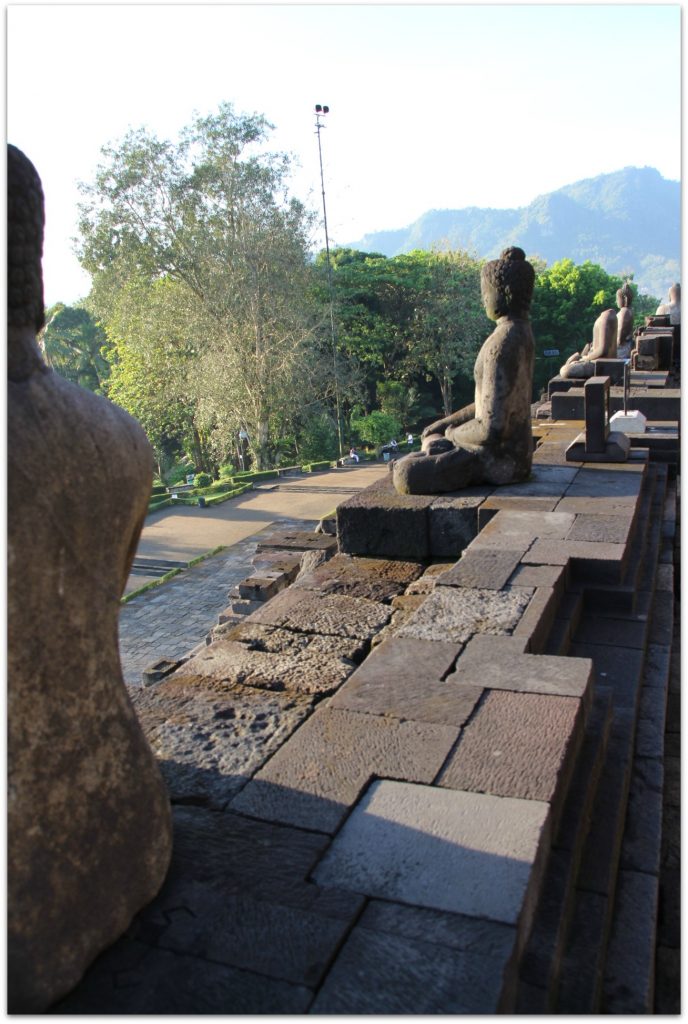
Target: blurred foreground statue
[(89, 828), (672, 308), (491, 440)]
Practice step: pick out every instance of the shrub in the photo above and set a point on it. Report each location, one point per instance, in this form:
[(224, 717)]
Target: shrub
[(318, 439), (377, 428), (203, 480)]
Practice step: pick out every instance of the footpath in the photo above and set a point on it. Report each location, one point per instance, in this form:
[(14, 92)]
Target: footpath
[(167, 621)]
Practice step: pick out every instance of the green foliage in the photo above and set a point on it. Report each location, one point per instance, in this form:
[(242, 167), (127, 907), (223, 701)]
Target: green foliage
[(318, 438), (202, 480), (316, 467), (377, 428), (177, 474), (72, 344)]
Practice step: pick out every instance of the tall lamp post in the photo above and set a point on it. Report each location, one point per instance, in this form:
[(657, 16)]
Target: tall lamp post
[(320, 112)]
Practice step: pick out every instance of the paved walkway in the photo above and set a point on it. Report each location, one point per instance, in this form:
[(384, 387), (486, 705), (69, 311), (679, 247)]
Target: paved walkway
[(169, 620)]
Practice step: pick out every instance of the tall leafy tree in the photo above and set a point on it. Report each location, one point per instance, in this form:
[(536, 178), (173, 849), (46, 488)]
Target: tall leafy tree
[(72, 344), (212, 214)]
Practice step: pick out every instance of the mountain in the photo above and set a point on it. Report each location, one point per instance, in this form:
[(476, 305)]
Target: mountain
[(627, 221)]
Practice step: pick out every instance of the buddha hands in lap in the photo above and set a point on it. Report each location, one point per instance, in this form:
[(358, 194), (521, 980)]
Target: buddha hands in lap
[(491, 439)]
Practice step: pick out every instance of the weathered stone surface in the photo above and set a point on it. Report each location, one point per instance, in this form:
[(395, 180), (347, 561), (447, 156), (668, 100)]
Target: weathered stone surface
[(314, 778), (457, 614), (581, 981), (641, 847), (515, 529), (621, 674), (377, 579), (602, 563), (304, 612), (453, 523), (601, 528), (88, 818), (261, 587), (297, 540), (492, 505), (405, 678), (271, 658), (552, 576), (662, 619), (210, 737), (538, 619), (384, 524), (383, 971), (517, 745), (599, 483), (545, 481), (134, 978), (496, 664), (486, 569), (630, 968), (411, 843), (278, 561)]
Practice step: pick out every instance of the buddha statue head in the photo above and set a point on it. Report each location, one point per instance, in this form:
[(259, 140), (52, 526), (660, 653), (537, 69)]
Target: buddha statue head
[(507, 285)]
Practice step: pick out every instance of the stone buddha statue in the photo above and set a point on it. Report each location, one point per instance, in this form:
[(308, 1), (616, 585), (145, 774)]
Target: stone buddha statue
[(673, 307), (624, 321), (491, 439), (602, 346)]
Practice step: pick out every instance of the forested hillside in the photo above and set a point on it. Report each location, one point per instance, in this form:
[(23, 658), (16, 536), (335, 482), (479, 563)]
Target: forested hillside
[(627, 222)]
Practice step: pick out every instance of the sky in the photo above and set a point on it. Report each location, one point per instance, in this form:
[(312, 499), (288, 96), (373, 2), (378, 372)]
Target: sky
[(431, 106)]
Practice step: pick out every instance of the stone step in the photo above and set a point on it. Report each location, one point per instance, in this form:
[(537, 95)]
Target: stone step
[(541, 960)]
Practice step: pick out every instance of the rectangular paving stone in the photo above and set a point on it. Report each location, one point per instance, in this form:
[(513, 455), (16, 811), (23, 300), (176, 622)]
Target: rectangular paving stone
[(514, 529), (453, 523), (487, 569), (492, 505), (603, 482), (297, 540), (517, 745), (209, 737), (338, 615), (544, 480), (379, 972), (313, 780), (538, 619), (621, 674), (134, 978), (641, 847), (601, 528), (262, 587), (270, 658), (602, 563), (495, 664), (553, 576), (405, 678), (377, 579), (630, 965), (468, 853), (457, 614), (379, 522), (599, 504)]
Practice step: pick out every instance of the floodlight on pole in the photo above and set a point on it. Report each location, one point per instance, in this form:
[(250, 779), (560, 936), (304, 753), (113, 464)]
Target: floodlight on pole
[(320, 111)]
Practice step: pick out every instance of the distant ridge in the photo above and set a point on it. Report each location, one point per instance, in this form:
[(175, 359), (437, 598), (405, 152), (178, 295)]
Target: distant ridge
[(629, 220)]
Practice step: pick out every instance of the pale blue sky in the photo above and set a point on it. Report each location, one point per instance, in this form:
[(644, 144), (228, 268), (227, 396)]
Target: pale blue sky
[(432, 106)]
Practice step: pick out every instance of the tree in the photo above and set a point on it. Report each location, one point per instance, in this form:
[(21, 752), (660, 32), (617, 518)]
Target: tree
[(377, 428), (211, 213), (72, 344)]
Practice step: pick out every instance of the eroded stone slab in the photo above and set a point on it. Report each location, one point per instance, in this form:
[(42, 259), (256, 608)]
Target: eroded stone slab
[(457, 614), (516, 745), (453, 523), (379, 522), (494, 664), (552, 576), (210, 737), (486, 569), (601, 563), (601, 528), (304, 612), (297, 540), (377, 579), (517, 529), (271, 658), (545, 480), (468, 853), (492, 505), (313, 779), (405, 678)]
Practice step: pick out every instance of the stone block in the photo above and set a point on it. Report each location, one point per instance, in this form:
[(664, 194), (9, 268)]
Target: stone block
[(376, 579), (545, 481), (602, 505), (209, 738), (158, 670), (457, 614), (641, 847), (133, 978), (482, 568), (598, 563), (553, 577), (275, 560), (241, 606), (514, 529), (381, 523), (411, 843), (581, 974), (496, 502), (304, 612), (262, 587), (592, 482), (297, 540), (405, 678), (536, 624), (270, 658), (453, 523), (313, 780), (615, 529), (387, 967), (596, 403), (662, 619), (496, 663), (518, 745), (630, 965), (622, 674), (617, 449), (620, 633)]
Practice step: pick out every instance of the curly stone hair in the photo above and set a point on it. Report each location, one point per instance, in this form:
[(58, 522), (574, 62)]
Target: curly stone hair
[(25, 220), (513, 278)]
